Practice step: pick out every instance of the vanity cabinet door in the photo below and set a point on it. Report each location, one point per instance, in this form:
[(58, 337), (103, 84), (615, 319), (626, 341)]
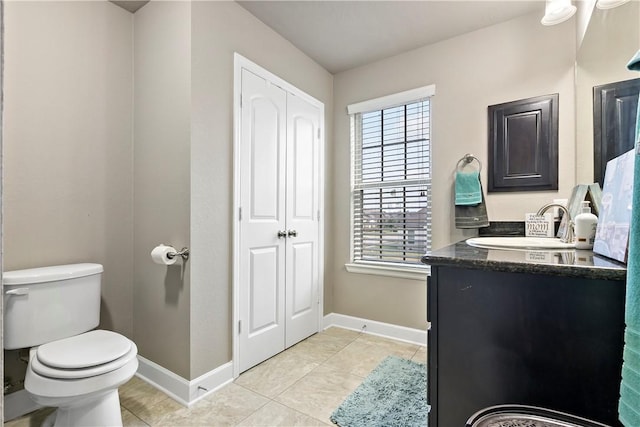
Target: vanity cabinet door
[(548, 341)]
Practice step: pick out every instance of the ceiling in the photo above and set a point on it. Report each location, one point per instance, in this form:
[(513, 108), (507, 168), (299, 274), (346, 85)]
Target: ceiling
[(130, 5), (343, 34), (340, 35)]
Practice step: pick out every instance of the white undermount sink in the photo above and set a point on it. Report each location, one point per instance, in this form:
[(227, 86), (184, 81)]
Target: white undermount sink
[(519, 243)]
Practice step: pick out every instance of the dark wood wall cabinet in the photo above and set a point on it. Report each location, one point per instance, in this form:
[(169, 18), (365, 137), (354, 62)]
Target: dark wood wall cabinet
[(614, 117), (523, 145)]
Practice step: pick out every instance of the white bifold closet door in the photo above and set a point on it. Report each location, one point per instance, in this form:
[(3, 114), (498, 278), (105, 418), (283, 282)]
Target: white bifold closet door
[(279, 223)]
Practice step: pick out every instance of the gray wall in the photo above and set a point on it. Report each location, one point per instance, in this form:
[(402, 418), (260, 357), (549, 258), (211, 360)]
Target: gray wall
[(161, 156), (505, 62), (67, 146), (67, 143), (218, 30)]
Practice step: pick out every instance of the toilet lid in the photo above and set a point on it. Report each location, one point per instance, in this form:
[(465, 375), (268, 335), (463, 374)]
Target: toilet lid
[(83, 356), (92, 371), (84, 350)]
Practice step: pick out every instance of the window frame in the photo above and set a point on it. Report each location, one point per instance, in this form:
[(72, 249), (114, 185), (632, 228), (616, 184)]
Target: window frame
[(384, 268)]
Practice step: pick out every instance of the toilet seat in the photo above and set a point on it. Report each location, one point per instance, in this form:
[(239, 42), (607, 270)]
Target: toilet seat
[(86, 355), (52, 391)]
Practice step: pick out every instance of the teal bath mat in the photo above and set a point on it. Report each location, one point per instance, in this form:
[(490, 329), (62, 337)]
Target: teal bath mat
[(393, 395)]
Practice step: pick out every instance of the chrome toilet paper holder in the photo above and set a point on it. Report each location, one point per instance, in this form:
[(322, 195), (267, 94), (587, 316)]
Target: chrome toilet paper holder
[(184, 253)]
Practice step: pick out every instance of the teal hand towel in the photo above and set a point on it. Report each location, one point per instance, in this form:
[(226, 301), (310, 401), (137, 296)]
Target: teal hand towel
[(468, 189), (629, 404), (628, 409)]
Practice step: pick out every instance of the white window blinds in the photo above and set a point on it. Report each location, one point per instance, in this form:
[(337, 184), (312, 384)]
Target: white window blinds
[(391, 183)]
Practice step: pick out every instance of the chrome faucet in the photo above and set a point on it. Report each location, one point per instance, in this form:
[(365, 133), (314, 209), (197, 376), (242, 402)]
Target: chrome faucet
[(567, 235)]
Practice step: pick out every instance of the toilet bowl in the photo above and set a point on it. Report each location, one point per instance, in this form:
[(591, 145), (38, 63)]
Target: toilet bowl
[(81, 375), (73, 367)]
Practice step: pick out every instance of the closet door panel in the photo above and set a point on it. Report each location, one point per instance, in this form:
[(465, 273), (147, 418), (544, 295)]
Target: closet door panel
[(303, 292), (265, 160), (262, 200), (264, 289), (303, 142), (303, 168)]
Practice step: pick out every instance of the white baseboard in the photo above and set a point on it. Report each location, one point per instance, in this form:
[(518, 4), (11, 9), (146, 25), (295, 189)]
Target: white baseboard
[(183, 391), (18, 404), (373, 327)]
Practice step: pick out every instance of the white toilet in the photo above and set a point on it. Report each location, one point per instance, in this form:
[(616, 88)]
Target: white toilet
[(72, 367)]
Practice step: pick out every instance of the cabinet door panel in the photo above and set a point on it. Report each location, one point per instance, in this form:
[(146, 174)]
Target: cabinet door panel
[(614, 115), (523, 145), (546, 341)]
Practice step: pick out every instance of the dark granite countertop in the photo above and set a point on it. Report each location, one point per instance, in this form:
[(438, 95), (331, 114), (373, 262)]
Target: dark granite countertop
[(572, 263)]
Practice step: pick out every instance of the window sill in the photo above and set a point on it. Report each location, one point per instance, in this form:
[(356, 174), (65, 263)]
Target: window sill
[(390, 270)]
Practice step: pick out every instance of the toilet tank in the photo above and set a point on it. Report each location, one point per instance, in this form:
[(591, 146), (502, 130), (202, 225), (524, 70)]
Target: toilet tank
[(49, 303)]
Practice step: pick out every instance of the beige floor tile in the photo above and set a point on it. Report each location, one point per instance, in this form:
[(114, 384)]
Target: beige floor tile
[(274, 414), (275, 375), (319, 347), (320, 392), (154, 413), (138, 397), (34, 419), (397, 348), (420, 356), (342, 333), (226, 407), (360, 358), (130, 420)]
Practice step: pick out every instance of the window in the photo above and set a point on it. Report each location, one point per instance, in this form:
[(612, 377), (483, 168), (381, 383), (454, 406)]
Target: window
[(391, 173)]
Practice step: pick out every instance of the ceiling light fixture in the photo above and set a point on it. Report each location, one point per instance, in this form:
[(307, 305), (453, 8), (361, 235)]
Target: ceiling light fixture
[(557, 11), (609, 4)]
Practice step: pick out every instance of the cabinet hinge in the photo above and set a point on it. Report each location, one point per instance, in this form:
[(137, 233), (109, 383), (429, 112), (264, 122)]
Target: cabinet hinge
[(239, 327), (240, 213), (318, 214), (241, 100), (318, 133)]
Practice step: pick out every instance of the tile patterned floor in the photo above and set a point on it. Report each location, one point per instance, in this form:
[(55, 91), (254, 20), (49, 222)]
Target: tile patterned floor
[(298, 387)]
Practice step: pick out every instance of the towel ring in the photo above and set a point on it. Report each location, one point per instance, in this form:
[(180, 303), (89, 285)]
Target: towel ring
[(468, 158)]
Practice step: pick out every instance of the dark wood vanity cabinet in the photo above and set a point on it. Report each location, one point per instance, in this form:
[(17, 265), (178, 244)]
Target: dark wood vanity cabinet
[(502, 337)]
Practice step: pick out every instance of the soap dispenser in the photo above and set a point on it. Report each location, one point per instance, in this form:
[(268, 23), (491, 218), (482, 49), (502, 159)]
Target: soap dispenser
[(585, 227)]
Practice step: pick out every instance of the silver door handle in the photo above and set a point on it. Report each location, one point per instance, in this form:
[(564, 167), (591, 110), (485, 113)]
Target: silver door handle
[(292, 233), (282, 234)]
